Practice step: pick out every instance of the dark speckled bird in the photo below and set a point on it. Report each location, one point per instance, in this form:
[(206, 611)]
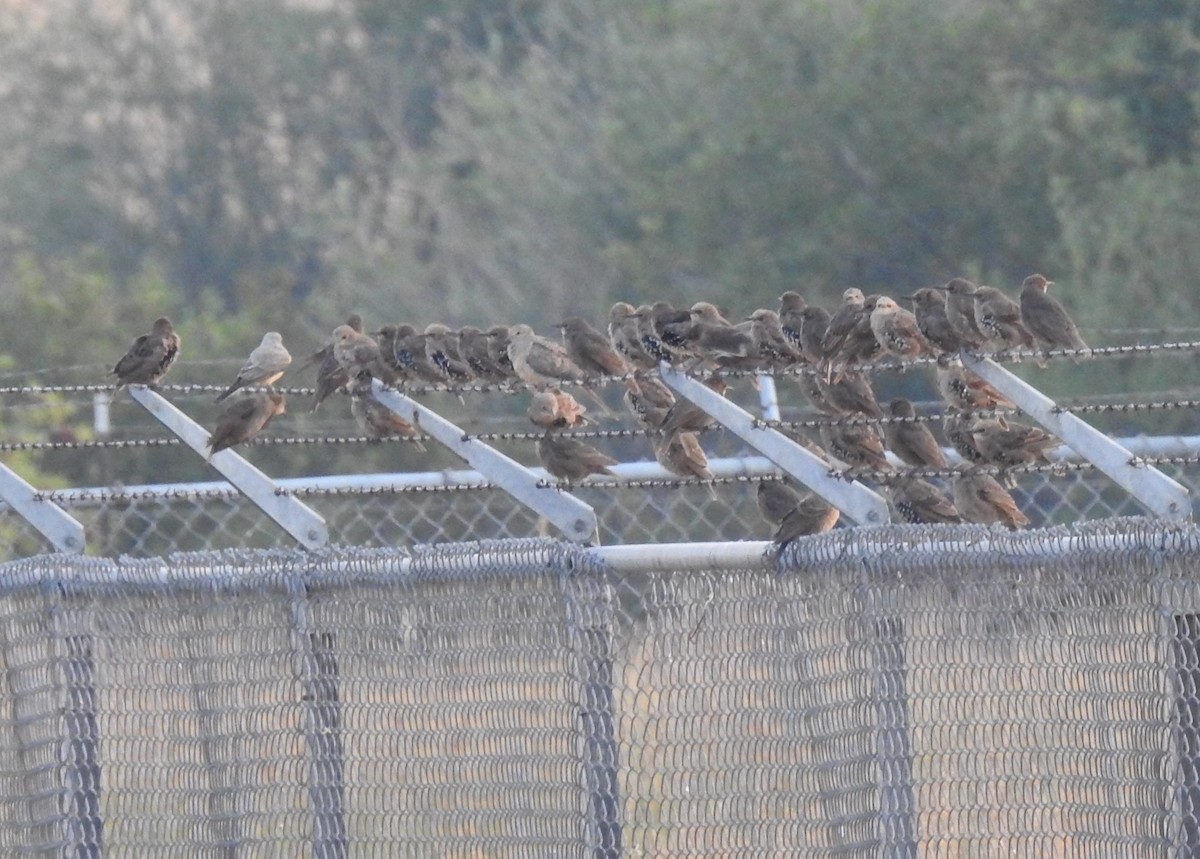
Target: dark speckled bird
[(1045, 318), (911, 440), (592, 352), (897, 331), (570, 460), (842, 322), (858, 446), (929, 306), (962, 389), (851, 393), (651, 402), (376, 420), (624, 334), (998, 317), (815, 322), (920, 502), (794, 514), (150, 356), (441, 347), (960, 311), (474, 347), (791, 317), (1008, 443)]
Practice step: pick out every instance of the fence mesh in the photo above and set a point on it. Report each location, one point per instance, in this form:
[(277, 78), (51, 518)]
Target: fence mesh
[(896, 691)]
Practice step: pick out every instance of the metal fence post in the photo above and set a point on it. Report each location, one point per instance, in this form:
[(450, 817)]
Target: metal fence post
[(897, 806), (317, 668), (79, 755), (589, 615)]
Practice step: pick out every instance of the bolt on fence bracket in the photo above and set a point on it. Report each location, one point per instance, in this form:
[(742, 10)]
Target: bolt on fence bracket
[(291, 514), (567, 513), (863, 505), (64, 532), (1157, 492)]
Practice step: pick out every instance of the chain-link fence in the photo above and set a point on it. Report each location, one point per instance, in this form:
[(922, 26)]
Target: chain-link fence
[(895, 691)]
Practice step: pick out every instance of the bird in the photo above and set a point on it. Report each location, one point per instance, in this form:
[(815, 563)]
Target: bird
[(960, 312), (410, 354), (842, 322), (774, 348), (555, 409), (441, 347), (686, 416), (1045, 318), (1009, 444), (358, 354), (897, 331), (814, 324), (851, 394), (330, 375), (265, 365), (858, 446), (860, 345), (474, 345), (794, 514), (910, 440), (647, 330), (929, 306), (625, 336), (539, 361), (378, 421), (651, 402), (981, 499), (962, 389), (592, 352), (791, 317), (998, 318), (680, 453), (150, 356), (920, 502), (959, 429), (569, 459), (244, 418)]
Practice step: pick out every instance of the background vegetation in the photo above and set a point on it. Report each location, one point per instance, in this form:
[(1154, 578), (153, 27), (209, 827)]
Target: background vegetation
[(272, 164)]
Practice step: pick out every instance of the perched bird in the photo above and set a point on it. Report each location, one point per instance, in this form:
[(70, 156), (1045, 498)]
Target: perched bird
[(1008, 444), (265, 365), (498, 341), (244, 418), (910, 440), (929, 306), (998, 318), (541, 362), (570, 459), (377, 420), (647, 330), (920, 502), (897, 331), (815, 322), (813, 386), (625, 336), (860, 345), (555, 409), (791, 317), (358, 354), (794, 514), (962, 389), (842, 322), (959, 429), (651, 402), (960, 312), (330, 375), (410, 354), (150, 356), (851, 394), (981, 499), (680, 453), (1045, 318), (441, 347), (474, 347), (686, 416), (858, 446), (774, 348), (592, 352)]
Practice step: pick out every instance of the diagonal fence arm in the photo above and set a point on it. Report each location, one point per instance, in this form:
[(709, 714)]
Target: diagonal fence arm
[(64, 532), (291, 514), (567, 513), (1157, 492), (863, 505)]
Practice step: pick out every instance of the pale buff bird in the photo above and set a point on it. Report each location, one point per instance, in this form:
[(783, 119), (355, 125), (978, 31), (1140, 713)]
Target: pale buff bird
[(265, 365)]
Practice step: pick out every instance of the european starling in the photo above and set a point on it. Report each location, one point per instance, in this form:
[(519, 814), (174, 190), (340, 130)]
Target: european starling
[(960, 311), (441, 347), (625, 335), (651, 402), (330, 375), (648, 334), (376, 420), (912, 441), (920, 502), (962, 389), (774, 347), (410, 354), (858, 446), (815, 322), (998, 317), (851, 393), (680, 453), (981, 499), (959, 429), (686, 416), (842, 322), (265, 365), (929, 306), (150, 356), (591, 351), (570, 459), (794, 514), (791, 317), (359, 355), (474, 348), (1008, 444), (1045, 318), (860, 346), (897, 331), (244, 418)]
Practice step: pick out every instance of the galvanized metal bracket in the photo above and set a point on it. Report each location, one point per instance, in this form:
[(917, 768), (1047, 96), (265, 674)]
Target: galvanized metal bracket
[(1157, 492), (64, 532), (567, 513), (291, 514), (855, 500)]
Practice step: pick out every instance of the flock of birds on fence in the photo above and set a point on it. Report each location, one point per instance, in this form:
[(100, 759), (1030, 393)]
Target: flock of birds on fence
[(836, 347)]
